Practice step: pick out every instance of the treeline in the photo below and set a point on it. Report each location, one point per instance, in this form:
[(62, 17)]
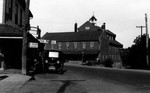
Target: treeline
[(135, 56)]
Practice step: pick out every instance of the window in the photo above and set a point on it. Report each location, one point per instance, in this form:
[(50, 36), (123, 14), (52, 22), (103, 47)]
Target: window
[(67, 45), (112, 57), (59, 45), (84, 45), (21, 17), (52, 46), (10, 9), (116, 49), (91, 45), (109, 37), (106, 56), (87, 28), (75, 45), (105, 36), (16, 14), (103, 57), (110, 48), (112, 38)]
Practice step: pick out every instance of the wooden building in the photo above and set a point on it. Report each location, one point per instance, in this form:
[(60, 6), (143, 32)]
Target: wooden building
[(11, 32), (88, 42)]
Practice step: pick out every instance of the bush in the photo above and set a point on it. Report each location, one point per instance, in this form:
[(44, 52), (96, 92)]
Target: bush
[(108, 62)]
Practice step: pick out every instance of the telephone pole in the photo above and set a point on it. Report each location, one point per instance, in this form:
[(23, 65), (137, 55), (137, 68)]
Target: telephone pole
[(146, 25), (25, 39), (141, 29)]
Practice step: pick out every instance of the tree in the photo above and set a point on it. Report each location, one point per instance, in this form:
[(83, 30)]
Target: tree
[(136, 57)]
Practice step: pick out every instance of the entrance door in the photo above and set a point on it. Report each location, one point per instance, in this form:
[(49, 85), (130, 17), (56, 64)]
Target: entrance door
[(12, 53)]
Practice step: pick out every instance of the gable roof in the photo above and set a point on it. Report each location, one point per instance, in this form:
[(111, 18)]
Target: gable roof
[(89, 24), (93, 27), (73, 36)]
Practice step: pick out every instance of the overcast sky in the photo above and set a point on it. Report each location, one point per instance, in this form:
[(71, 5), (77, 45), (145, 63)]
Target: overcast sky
[(121, 16)]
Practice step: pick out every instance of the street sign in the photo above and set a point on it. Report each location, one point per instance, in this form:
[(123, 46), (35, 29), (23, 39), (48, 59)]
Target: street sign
[(43, 41), (33, 45), (53, 41)]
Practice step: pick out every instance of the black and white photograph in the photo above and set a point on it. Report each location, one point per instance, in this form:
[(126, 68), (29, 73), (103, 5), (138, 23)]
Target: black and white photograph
[(74, 46)]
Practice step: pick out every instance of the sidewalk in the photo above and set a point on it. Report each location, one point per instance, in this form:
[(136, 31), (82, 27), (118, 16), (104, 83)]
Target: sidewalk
[(13, 82)]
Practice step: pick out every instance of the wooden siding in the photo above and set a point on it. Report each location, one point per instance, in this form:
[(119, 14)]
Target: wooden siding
[(1, 10)]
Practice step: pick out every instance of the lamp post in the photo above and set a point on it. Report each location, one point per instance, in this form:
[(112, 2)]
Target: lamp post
[(25, 39)]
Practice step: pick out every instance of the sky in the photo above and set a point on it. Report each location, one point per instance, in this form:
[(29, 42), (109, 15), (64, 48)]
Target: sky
[(121, 16)]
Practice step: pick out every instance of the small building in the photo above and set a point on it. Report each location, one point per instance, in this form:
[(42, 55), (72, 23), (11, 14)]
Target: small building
[(11, 32), (88, 42)]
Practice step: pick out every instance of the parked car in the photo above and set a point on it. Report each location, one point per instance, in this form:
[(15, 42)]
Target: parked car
[(54, 62)]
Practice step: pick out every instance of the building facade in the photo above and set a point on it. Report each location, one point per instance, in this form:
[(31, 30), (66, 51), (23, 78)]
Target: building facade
[(11, 32), (88, 42)]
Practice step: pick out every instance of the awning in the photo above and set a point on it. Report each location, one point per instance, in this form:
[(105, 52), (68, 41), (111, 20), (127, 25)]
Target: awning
[(10, 32)]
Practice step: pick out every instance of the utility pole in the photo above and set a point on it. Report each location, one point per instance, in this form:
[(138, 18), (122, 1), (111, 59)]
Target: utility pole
[(141, 29), (146, 25), (25, 39)]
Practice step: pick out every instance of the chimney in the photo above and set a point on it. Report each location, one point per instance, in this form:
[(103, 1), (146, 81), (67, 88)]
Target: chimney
[(103, 26), (75, 27), (38, 32)]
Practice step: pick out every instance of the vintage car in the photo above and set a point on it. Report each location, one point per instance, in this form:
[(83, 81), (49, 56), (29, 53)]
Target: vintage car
[(54, 62)]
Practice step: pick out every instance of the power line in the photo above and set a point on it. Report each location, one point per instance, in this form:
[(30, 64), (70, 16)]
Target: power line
[(141, 27)]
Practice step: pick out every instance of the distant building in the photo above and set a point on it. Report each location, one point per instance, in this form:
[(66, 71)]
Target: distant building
[(87, 42), (11, 34)]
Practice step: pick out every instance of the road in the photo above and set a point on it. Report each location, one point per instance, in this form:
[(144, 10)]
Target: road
[(79, 80)]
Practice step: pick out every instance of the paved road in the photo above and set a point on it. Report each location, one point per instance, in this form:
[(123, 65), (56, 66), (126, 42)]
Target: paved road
[(78, 80)]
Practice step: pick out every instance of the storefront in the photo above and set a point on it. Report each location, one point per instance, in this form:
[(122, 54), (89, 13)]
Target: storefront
[(11, 47)]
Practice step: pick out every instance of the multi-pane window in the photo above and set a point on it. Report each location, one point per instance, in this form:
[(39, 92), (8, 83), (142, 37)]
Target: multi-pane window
[(75, 45), (59, 45), (11, 9), (84, 45), (67, 45), (21, 16), (103, 57), (52, 46), (113, 57), (110, 48), (91, 45), (16, 14)]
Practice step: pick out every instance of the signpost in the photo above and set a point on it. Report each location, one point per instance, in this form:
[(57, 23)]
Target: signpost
[(33, 45), (53, 42), (43, 41)]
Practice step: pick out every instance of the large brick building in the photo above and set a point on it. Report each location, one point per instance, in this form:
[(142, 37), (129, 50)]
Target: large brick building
[(88, 42)]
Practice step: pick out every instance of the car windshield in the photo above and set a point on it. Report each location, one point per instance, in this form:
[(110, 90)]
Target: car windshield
[(54, 54)]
